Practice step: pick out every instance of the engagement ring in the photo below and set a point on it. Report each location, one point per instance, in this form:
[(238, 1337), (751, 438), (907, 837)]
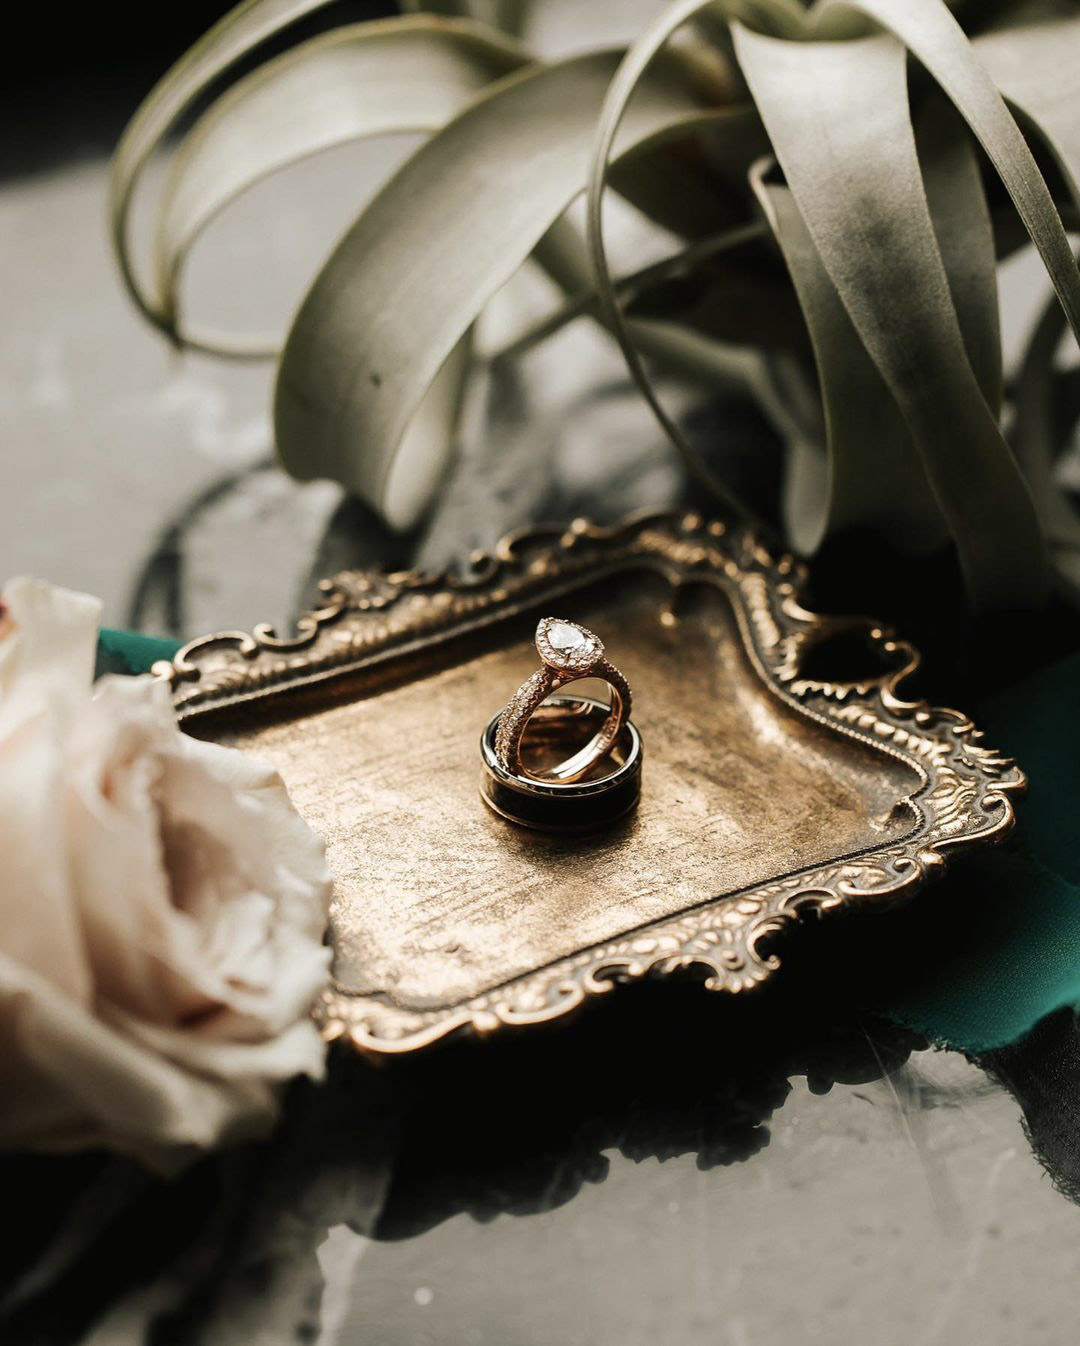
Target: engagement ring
[(569, 652)]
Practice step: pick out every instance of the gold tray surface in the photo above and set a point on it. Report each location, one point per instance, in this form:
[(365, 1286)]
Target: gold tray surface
[(765, 791)]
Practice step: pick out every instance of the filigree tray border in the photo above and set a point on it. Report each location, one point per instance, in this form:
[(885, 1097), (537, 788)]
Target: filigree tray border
[(369, 617)]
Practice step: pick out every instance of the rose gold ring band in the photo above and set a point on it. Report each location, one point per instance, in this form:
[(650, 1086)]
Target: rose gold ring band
[(569, 652)]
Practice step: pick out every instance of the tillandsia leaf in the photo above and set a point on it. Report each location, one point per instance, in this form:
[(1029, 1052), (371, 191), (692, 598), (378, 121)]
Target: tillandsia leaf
[(719, 365), (365, 80), (456, 9), (770, 14), (582, 299), (695, 186), (1032, 68), (717, 360), (424, 257), (734, 299), (508, 15), (964, 230), (775, 18), (875, 478), (712, 356), (931, 33), (239, 32), (699, 201), (678, 200), (887, 490), (859, 189)]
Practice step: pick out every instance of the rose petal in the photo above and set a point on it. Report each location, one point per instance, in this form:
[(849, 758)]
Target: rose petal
[(162, 911), (80, 1082), (39, 922), (48, 653)]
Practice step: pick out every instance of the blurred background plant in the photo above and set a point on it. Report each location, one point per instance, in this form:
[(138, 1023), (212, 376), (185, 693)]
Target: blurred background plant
[(805, 205)]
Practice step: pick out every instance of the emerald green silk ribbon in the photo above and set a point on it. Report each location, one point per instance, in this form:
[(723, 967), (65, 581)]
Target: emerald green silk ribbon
[(131, 652), (1004, 951)]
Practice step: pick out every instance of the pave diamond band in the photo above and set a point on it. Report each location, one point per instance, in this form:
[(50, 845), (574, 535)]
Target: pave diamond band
[(569, 651)]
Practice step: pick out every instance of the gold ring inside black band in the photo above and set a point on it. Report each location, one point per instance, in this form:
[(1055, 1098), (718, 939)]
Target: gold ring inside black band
[(553, 806)]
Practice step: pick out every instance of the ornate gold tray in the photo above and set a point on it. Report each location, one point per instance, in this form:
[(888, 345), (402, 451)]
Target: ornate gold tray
[(785, 772)]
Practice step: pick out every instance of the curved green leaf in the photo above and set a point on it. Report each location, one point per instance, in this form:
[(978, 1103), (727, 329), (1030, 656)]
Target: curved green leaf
[(369, 79), (221, 47), (696, 185), (509, 15), (395, 297), (885, 488), (932, 34), (875, 478), (964, 230), (582, 298), (1027, 65), (632, 70), (860, 191)]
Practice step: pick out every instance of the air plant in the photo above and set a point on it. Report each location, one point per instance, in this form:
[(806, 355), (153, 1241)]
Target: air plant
[(859, 167)]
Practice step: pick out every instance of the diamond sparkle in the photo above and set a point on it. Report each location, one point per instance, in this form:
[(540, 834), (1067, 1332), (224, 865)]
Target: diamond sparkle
[(563, 636), (567, 646)]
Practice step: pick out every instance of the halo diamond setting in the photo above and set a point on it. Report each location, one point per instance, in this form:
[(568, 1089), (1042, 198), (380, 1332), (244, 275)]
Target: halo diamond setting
[(567, 646)]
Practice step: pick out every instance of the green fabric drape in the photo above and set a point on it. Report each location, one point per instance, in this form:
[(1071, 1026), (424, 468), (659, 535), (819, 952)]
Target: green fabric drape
[(131, 652), (1006, 947)]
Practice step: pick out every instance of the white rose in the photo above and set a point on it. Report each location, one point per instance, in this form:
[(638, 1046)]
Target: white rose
[(162, 907)]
